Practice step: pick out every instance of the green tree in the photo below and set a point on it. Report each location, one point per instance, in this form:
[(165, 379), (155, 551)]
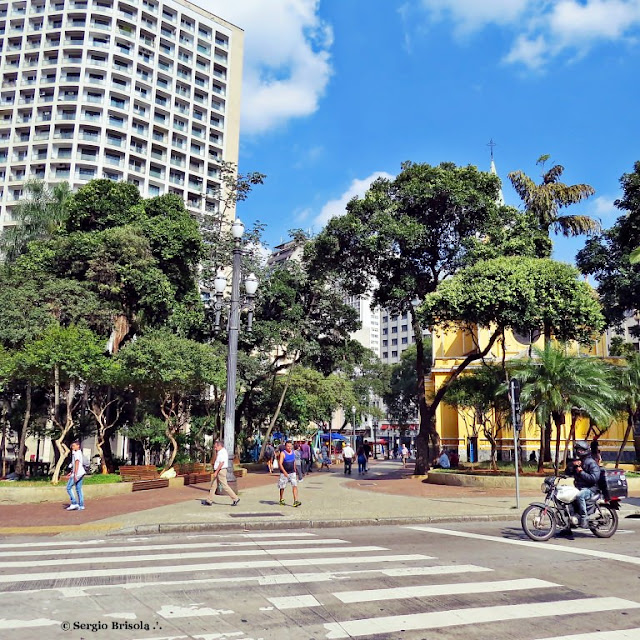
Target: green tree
[(482, 391), (401, 240), (41, 215), (546, 200), (555, 383), (400, 397), (521, 294), (103, 204), (170, 371), (62, 360), (609, 256), (626, 379), (298, 320)]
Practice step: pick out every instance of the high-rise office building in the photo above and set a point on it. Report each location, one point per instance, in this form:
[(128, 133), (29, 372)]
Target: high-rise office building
[(146, 91)]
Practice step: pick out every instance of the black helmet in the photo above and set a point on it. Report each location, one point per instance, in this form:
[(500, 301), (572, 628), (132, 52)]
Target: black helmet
[(581, 448)]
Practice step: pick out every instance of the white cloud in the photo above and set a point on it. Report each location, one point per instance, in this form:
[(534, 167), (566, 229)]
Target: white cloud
[(532, 52), (338, 206), (471, 15), (603, 207), (542, 30), (287, 61)]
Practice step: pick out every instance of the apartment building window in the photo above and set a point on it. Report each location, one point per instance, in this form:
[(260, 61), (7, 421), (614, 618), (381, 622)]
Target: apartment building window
[(405, 340), (404, 328), (385, 354), (385, 343), (385, 331), (394, 329), (394, 354)]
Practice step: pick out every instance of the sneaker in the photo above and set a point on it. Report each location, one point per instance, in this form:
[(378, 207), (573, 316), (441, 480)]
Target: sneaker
[(235, 503), (282, 502), (80, 508), (584, 523), (72, 507), (297, 504), (206, 503)]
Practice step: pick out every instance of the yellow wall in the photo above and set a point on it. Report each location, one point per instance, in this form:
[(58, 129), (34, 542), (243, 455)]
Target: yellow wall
[(450, 348)]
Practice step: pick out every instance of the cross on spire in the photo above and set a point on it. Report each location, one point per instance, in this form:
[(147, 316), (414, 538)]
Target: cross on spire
[(491, 144)]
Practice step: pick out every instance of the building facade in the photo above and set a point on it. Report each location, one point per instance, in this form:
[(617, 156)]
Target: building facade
[(145, 91)]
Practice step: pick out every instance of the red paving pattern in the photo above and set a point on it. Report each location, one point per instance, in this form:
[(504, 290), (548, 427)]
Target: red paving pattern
[(54, 513)]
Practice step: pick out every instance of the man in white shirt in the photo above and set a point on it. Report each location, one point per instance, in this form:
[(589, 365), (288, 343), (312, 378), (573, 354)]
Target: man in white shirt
[(348, 454), (76, 476), (220, 467)]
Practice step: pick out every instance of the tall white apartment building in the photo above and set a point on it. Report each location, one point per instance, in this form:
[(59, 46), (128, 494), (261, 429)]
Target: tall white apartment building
[(396, 335), (369, 333), (146, 91)]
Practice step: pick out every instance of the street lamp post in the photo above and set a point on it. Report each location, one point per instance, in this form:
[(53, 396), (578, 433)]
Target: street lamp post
[(353, 423), (375, 438), (236, 305)]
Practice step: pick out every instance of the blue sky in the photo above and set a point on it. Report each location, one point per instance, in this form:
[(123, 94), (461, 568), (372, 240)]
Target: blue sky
[(337, 92)]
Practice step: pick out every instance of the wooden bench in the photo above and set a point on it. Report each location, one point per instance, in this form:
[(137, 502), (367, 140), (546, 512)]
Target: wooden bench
[(143, 477), (193, 472)]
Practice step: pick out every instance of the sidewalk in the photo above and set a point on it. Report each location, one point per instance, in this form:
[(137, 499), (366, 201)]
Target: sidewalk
[(387, 494)]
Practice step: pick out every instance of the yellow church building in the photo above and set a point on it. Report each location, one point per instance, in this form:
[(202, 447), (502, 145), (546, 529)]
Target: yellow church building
[(457, 427)]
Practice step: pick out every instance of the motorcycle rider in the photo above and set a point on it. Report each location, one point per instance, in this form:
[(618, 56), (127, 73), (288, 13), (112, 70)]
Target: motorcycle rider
[(586, 474)]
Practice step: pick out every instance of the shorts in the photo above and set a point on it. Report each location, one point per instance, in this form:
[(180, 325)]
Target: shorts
[(284, 480)]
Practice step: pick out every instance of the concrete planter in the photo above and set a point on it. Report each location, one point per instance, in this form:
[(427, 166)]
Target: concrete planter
[(527, 483)]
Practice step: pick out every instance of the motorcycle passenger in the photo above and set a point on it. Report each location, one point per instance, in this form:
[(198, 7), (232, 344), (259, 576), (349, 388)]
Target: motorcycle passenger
[(586, 474)]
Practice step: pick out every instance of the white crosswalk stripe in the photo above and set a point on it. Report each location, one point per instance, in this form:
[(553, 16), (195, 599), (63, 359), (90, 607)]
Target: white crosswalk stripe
[(331, 587), (620, 634), (474, 615)]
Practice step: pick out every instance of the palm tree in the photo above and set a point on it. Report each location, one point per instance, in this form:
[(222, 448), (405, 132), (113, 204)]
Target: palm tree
[(555, 384), (627, 379), (545, 200), (39, 216)]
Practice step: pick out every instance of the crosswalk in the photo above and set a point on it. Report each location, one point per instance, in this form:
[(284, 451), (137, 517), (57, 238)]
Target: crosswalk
[(264, 585)]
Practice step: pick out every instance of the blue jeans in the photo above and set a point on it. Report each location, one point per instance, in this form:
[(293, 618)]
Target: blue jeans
[(581, 501), (78, 485)]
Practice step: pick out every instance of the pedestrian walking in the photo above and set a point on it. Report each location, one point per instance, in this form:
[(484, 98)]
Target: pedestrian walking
[(404, 454), (367, 454), (348, 454), (312, 454), (220, 467), (395, 451), (362, 459), (269, 455), (305, 453), (326, 460), (76, 476), (287, 463), (297, 452)]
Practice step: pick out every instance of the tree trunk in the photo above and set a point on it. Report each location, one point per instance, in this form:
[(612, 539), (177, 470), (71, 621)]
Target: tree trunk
[(3, 447), (542, 449), (627, 433), (570, 438), (65, 428), (427, 412), (22, 448), (559, 421), (276, 413)]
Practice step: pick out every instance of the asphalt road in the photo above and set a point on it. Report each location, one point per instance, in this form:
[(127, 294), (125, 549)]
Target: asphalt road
[(467, 581)]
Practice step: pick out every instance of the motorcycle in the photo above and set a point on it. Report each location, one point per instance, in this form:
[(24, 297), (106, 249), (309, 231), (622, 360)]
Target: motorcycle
[(541, 520)]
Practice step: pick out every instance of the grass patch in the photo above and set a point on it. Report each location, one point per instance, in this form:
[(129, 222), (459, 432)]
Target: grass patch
[(108, 478)]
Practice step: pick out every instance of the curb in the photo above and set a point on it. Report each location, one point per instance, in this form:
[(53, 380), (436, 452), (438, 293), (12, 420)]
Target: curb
[(261, 525)]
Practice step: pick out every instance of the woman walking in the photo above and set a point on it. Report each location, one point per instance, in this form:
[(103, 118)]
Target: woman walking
[(362, 459)]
